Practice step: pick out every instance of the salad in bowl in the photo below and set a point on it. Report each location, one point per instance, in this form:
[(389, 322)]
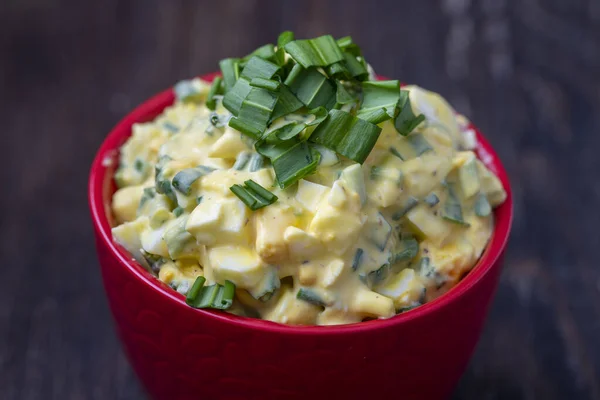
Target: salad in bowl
[(299, 188)]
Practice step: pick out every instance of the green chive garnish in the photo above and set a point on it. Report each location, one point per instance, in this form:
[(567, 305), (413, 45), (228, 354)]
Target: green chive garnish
[(184, 179), (380, 100), (357, 258), (318, 52), (406, 120), (215, 88), (253, 195), (310, 297), (214, 296), (482, 206)]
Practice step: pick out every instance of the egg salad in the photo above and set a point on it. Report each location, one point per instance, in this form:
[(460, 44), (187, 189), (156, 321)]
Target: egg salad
[(330, 211)]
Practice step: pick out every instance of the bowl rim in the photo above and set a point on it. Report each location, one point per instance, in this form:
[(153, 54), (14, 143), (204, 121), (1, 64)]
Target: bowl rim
[(146, 111)]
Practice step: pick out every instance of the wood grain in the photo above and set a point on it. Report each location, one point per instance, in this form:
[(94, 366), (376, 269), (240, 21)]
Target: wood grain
[(526, 71)]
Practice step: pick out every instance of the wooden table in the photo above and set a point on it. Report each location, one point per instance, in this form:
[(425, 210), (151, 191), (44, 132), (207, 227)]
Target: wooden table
[(526, 71)]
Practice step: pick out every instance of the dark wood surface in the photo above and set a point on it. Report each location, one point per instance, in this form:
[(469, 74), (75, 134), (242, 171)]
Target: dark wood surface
[(526, 71)]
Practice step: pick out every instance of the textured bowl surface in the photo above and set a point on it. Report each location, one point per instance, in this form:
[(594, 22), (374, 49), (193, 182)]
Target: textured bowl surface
[(183, 353)]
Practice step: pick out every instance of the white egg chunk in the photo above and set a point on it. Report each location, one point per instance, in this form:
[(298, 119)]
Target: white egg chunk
[(153, 242), (239, 265), (128, 235), (332, 272), (337, 195), (235, 218), (405, 288), (301, 245), (271, 223), (374, 305), (125, 202), (422, 174), (204, 220), (229, 145), (290, 310), (337, 228), (428, 225), (354, 180), (310, 194)]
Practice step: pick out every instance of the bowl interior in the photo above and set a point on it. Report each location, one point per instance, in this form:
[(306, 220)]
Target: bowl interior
[(102, 187)]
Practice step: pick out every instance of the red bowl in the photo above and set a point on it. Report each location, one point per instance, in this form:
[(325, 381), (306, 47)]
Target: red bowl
[(182, 353)]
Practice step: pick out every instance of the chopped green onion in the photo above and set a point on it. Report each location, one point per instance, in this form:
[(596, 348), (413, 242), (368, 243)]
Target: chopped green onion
[(419, 144), (452, 210), (199, 199), (357, 258), (318, 52), (409, 248), (347, 135), (313, 89), (267, 84), (293, 75), (295, 163), (482, 206), (241, 161), (355, 68), (178, 211), (255, 112), (139, 165), (171, 127), (410, 203), (183, 180), (266, 52), (148, 194), (253, 195), (380, 100), (310, 297), (406, 121), (230, 69), (278, 141), (396, 153), (287, 103), (379, 275), (256, 162), (342, 96), (215, 296), (215, 89), (346, 44), (431, 199), (193, 293), (283, 39), (234, 98)]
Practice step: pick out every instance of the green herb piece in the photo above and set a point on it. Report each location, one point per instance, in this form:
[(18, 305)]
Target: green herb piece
[(148, 194), (408, 249), (183, 180), (357, 259), (347, 45), (139, 165), (230, 69), (199, 199), (406, 121), (378, 276), (482, 206), (171, 127), (318, 52), (283, 39), (275, 143), (346, 134), (312, 88), (267, 84), (287, 103), (431, 199), (380, 100), (255, 68), (214, 296), (178, 211), (396, 153), (253, 195), (215, 88), (410, 203), (241, 161), (255, 112), (256, 162), (310, 297), (452, 210), (342, 96), (266, 52), (294, 164), (418, 143)]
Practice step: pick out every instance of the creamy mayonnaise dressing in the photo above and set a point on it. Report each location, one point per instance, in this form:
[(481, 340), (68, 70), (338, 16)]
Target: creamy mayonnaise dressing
[(347, 243)]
